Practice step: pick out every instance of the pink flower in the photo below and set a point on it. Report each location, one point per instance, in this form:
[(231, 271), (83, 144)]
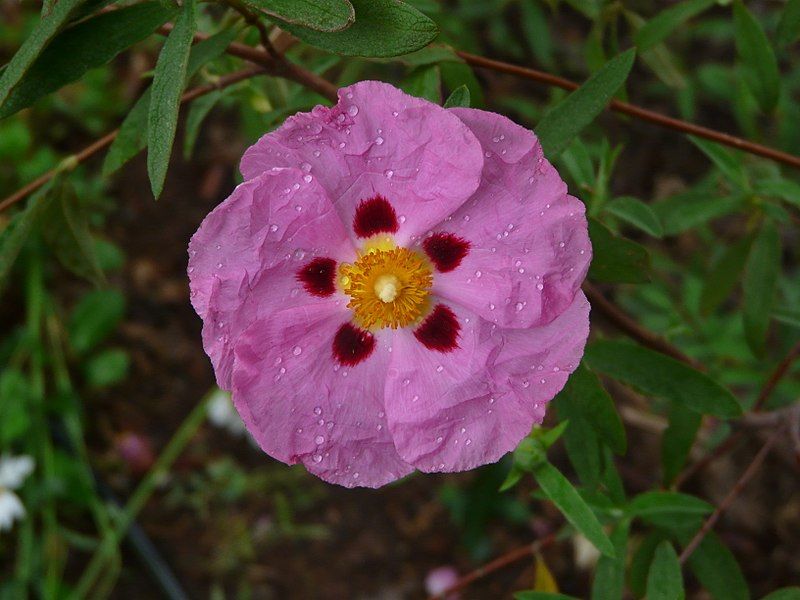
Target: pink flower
[(395, 286)]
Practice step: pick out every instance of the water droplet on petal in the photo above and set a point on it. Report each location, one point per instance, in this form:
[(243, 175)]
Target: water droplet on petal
[(439, 369), (319, 440), (378, 141), (317, 458), (540, 286), (352, 111), (388, 173), (317, 410), (297, 350), (273, 228)]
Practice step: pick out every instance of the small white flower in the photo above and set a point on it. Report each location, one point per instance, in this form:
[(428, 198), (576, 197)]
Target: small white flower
[(13, 472), (586, 555), (222, 414)]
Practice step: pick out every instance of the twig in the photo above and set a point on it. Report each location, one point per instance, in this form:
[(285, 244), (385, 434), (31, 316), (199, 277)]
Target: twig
[(253, 20), (498, 563), (737, 488), (638, 112), (632, 328)]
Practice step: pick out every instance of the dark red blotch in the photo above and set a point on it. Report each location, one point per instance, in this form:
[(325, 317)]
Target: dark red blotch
[(318, 276), (446, 250), (439, 331), (375, 215), (351, 345)]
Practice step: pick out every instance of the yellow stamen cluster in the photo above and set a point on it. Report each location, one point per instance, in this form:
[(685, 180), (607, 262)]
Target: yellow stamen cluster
[(388, 286)]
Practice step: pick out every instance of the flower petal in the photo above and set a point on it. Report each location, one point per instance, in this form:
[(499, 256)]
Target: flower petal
[(378, 141), (302, 406), (456, 411), (529, 240), (246, 255), (14, 470)]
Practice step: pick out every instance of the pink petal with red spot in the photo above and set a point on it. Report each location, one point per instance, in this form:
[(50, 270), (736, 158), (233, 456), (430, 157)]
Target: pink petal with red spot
[(302, 406), (378, 140), (244, 258), (529, 240), (466, 408)]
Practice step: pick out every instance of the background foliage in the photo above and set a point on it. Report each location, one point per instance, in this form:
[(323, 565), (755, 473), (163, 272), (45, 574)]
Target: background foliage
[(687, 395)]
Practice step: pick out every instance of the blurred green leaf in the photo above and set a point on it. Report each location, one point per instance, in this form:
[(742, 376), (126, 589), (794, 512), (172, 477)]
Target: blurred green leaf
[(637, 213), (672, 505), (789, 25), (425, 82), (24, 58), (382, 28), (318, 15), (730, 165), (560, 491), (717, 569), (609, 576), (565, 120), (94, 318), (580, 442), (168, 82), (760, 284), (459, 98), (107, 368), (85, 46), (785, 189), (665, 581), (14, 406), (616, 259), (684, 211), (668, 20), (660, 375), (537, 32), (788, 593), (723, 275), (678, 439), (640, 562), (760, 66), (198, 111)]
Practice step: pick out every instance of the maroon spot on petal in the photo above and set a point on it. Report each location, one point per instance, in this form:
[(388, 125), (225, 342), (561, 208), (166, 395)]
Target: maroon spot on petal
[(318, 276), (446, 250), (439, 331), (373, 216), (351, 345)]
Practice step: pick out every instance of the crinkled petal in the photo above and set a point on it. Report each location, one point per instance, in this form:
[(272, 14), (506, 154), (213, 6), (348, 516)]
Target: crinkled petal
[(378, 141), (301, 406), (245, 256), (530, 247), (458, 410)]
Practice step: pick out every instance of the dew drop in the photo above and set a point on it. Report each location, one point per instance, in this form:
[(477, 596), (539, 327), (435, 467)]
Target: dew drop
[(317, 458), (463, 430), (316, 152), (219, 265), (468, 442), (519, 306), (306, 167), (540, 286), (487, 154), (317, 410), (319, 440), (298, 208), (378, 141), (299, 430), (439, 439), (307, 178), (439, 369), (273, 228), (394, 113), (297, 350), (352, 111)]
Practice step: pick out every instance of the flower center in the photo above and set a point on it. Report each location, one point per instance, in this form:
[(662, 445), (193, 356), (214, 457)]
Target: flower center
[(388, 286)]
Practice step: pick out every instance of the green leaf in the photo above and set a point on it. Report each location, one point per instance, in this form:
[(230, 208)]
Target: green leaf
[(94, 318), (678, 440), (382, 28), (668, 20), (14, 397), (640, 563), (759, 285), (560, 491), (637, 213), (319, 15), (565, 120), (785, 189), (670, 505), (717, 569), (685, 211), (132, 136), (723, 275), (66, 231), (459, 98), (788, 593), (87, 45), (730, 165), (32, 47), (616, 259), (107, 368), (198, 111), (660, 375), (580, 442), (609, 577), (425, 82), (789, 25), (665, 581), (758, 59), (537, 32), (584, 395), (16, 233), (533, 595), (168, 82)]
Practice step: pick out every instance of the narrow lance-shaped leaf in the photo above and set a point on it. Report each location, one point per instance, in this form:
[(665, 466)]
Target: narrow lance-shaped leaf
[(716, 568), (760, 66), (616, 259), (729, 164), (560, 491), (664, 580), (723, 275), (319, 15), (576, 111), (458, 98), (425, 82), (382, 28), (678, 439), (789, 25), (637, 213), (87, 45), (667, 21), (660, 375), (168, 82), (609, 577), (760, 283), (788, 593), (197, 114), (33, 46)]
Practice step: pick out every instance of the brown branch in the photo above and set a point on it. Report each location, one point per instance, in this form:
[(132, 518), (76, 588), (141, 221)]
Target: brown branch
[(627, 325), (737, 488), (637, 111), (106, 140), (498, 563)]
